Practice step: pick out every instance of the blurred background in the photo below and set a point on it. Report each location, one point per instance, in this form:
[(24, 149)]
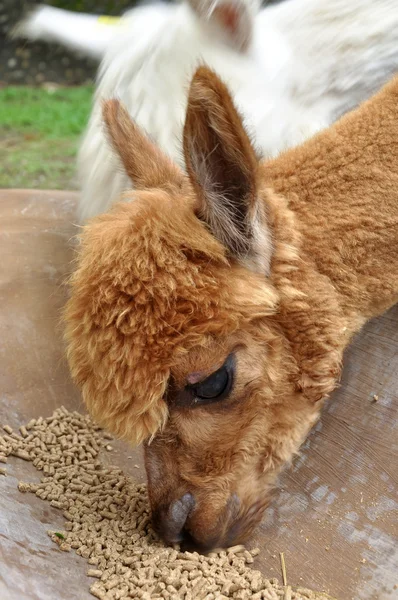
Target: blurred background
[(36, 63), (45, 99)]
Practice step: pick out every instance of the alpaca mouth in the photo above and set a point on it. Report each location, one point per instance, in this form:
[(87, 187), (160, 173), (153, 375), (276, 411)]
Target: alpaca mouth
[(180, 523)]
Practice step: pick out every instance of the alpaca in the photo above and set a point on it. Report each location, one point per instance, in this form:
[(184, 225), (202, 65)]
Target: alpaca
[(85, 34), (92, 35), (211, 307), (293, 68)]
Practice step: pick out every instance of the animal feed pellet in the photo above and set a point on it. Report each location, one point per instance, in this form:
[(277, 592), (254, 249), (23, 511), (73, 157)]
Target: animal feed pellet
[(107, 522)]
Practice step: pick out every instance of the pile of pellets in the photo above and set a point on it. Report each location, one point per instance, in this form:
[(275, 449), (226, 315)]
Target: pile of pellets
[(108, 522)]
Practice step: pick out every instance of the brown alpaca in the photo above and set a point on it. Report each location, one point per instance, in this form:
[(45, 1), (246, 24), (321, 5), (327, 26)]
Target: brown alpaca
[(209, 315)]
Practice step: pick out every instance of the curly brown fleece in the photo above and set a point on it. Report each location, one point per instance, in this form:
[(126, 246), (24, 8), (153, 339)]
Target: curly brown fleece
[(276, 263)]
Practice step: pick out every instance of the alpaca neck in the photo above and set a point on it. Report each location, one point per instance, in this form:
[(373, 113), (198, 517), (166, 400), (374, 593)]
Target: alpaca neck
[(309, 312), (342, 187)]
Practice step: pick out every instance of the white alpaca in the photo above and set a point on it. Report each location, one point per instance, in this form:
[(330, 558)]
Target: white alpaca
[(87, 34), (293, 69)]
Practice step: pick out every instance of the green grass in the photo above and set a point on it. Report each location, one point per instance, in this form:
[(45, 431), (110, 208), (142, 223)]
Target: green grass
[(40, 130)]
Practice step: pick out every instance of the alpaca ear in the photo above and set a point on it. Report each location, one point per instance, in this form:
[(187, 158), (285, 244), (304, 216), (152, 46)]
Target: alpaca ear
[(233, 18), (223, 168), (145, 164)]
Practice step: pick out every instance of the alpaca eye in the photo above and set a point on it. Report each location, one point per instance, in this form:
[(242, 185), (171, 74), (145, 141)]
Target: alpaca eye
[(217, 386)]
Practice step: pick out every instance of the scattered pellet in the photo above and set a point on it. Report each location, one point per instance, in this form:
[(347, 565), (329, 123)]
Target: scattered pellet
[(108, 522), (3, 472), (8, 429), (22, 454), (23, 431), (24, 487), (94, 573)]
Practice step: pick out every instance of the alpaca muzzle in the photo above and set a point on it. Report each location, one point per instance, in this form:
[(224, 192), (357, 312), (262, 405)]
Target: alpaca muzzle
[(196, 527)]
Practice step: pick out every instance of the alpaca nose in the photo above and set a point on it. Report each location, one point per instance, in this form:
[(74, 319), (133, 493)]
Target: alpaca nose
[(170, 521)]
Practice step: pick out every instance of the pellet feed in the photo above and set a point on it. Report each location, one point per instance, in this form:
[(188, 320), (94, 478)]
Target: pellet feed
[(108, 522)]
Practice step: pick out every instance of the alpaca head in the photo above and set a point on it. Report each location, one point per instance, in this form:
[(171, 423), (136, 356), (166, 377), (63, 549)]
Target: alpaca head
[(173, 329)]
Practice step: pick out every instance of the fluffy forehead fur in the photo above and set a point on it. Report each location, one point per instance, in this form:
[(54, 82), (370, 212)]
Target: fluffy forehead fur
[(151, 284)]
